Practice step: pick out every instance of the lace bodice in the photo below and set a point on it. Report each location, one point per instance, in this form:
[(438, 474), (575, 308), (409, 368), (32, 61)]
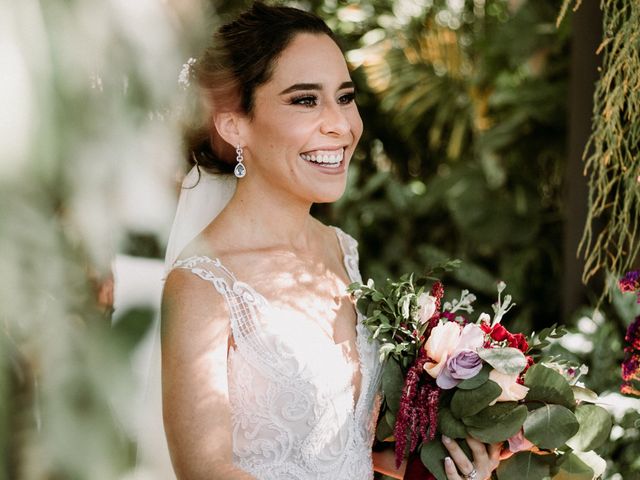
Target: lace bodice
[(291, 393)]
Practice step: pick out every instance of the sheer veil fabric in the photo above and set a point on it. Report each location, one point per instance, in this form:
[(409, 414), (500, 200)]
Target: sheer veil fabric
[(202, 197)]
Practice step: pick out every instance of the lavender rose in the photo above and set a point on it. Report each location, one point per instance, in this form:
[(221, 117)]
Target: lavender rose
[(461, 365)]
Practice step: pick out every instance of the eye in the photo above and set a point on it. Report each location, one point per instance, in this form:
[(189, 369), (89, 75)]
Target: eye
[(347, 98), (305, 100)]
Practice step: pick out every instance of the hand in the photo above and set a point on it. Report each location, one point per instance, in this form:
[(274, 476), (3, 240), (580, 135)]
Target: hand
[(459, 467)]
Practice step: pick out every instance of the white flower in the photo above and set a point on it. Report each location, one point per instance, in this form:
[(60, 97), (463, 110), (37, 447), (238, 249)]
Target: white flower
[(405, 306), (426, 307), (184, 78)]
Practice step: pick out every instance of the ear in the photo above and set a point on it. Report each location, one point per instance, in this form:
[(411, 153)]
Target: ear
[(228, 127)]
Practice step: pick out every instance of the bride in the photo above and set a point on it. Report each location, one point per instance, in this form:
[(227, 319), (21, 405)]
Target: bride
[(267, 371)]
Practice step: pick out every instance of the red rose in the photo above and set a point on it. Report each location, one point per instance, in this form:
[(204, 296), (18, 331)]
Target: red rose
[(499, 333), (519, 341)]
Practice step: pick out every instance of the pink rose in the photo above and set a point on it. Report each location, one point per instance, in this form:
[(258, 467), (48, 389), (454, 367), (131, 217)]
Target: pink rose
[(442, 341), (512, 391), (471, 338), (519, 443)]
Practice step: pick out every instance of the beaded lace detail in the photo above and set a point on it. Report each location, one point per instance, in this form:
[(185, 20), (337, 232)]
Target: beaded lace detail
[(291, 393)]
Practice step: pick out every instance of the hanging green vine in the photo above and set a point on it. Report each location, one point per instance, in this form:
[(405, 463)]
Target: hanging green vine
[(611, 239)]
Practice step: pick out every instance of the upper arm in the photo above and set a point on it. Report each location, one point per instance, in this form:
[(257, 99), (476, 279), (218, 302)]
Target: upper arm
[(197, 418)]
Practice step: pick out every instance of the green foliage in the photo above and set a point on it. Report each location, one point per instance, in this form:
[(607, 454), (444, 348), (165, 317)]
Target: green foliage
[(506, 360), (595, 427), (392, 313), (599, 335), (466, 403), (462, 155), (525, 466), (611, 240), (497, 423), (547, 385), (577, 467), (432, 455), (477, 381), (92, 94), (392, 383), (450, 425), (550, 426)]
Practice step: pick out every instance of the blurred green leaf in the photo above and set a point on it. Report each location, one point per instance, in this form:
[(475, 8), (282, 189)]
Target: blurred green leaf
[(573, 468), (133, 325), (595, 426)]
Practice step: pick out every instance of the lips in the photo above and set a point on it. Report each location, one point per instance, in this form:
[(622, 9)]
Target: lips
[(331, 158)]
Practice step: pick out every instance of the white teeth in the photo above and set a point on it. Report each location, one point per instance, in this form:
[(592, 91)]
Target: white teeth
[(330, 160)]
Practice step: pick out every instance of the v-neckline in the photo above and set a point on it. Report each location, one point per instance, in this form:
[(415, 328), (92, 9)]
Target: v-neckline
[(346, 257)]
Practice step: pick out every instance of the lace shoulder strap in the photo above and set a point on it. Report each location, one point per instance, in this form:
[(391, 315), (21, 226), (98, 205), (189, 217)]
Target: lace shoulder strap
[(210, 270), (349, 247), (245, 306)]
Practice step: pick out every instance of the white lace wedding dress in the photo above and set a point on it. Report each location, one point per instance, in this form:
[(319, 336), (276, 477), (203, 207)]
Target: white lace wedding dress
[(291, 391)]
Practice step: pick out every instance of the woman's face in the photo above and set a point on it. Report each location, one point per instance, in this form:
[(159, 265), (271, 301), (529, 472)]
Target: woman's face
[(305, 124)]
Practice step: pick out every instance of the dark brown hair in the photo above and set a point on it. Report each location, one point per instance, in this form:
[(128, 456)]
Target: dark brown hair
[(240, 59)]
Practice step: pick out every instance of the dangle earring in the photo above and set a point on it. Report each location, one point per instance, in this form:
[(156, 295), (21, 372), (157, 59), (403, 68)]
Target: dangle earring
[(240, 170)]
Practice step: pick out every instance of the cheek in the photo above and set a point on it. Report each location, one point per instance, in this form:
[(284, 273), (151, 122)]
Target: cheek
[(356, 124)]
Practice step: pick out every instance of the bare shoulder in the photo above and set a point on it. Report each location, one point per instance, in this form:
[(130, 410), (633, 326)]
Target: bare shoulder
[(192, 309)]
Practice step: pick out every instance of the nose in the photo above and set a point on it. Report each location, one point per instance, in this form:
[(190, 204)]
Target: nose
[(334, 121)]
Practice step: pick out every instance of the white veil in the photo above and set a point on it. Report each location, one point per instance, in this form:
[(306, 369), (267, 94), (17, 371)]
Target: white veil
[(202, 198)]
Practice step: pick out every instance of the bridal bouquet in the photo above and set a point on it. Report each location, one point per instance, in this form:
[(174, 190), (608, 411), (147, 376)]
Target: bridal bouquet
[(447, 374)]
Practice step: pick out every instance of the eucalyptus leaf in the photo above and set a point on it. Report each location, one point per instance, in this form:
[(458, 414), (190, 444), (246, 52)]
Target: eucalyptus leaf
[(507, 360), (469, 402), (583, 394), (392, 384), (548, 386), (478, 380), (524, 466), (450, 425), (573, 468), (363, 304), (496, 423), (383, 430), (550, 426), (595, 426), (432, 455)]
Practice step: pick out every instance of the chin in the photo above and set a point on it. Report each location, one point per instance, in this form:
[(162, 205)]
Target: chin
[(329, 195)]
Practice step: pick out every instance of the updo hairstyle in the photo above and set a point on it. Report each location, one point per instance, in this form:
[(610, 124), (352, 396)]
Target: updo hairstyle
[(241, 57)]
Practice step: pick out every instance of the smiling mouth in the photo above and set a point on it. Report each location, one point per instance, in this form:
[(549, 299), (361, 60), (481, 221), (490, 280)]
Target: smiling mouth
[(324, 158)]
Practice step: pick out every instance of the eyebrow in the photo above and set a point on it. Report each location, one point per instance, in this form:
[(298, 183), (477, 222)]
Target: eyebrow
[(312, 86)]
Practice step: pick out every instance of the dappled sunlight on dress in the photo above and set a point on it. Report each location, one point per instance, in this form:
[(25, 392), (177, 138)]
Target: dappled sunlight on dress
[(296, 413)]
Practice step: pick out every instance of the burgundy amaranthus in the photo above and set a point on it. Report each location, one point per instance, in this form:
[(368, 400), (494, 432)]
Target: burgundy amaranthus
[(630, 283), (631, 364), (418, 410), (420, 397)]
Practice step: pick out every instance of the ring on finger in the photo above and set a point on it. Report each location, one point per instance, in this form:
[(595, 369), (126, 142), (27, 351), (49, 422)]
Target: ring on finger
[(472, 475)]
